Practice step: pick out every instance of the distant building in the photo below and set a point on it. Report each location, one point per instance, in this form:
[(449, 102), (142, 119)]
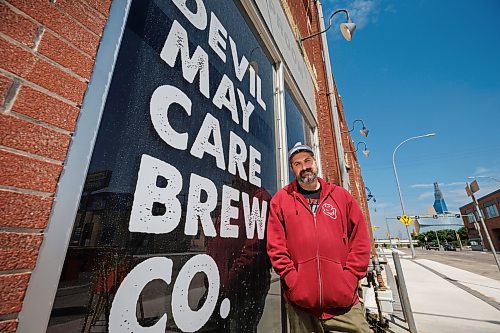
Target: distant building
[(489, 205), (439, 204), (438, 217)]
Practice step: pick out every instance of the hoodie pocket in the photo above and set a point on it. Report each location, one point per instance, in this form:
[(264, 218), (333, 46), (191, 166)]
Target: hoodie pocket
[(338, 291), (305, 290)]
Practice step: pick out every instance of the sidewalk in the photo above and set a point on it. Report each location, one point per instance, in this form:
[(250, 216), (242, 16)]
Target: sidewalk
[(447, 299)]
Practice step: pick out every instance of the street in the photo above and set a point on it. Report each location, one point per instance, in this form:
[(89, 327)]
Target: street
[(481, 263)]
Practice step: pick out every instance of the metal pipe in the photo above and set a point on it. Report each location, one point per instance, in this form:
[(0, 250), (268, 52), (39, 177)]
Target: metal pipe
[(403, 293)]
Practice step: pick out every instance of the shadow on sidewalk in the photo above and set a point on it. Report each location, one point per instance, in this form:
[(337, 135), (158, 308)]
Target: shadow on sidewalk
[(465, 318)]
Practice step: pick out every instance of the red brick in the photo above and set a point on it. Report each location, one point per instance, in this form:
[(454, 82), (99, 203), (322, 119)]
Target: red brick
[(8, 326), (47, 14), (38, 105), (19, 250), (23, 63), (83, 13), (17, 26), (101, 5), (19, 210), (13, 288), (28, 173), (23, 135), (65, 55), (5, 83)]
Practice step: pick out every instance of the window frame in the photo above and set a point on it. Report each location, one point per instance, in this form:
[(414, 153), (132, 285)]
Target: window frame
[(41, 291)]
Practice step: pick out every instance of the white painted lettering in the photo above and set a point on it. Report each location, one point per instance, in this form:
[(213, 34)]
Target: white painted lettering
[(247, 110), (215, 40), (254, 167), (202, 144), (122, 316), (237, 155), (186, 319), (177, 42), (196, 208), (240, 68), (198, 19), (226, 87), (228, 212), (254, 216), (162, 98), (259, 93), (155, 208)]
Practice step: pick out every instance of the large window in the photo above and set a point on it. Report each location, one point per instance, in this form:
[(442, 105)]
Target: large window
[(471, 217), (491, 209), (297, 128), (171, 223)]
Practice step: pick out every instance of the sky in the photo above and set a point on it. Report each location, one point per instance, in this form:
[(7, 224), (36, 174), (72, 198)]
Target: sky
[(418, 67)]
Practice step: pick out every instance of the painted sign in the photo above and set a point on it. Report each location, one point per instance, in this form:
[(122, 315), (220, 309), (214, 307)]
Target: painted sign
[(187, 135)]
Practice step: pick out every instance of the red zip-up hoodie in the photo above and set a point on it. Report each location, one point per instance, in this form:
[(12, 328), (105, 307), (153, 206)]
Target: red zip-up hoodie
[(320, 257)]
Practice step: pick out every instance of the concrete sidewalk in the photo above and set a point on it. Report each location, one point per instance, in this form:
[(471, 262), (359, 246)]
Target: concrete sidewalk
[(447, 299)]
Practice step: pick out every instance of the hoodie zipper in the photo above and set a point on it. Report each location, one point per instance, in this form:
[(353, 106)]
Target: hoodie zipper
[(317, 248), (317, 255)]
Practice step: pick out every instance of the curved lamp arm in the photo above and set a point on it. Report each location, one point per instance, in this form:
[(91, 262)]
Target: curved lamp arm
[(364, 131), (329, 23), (366, 152)]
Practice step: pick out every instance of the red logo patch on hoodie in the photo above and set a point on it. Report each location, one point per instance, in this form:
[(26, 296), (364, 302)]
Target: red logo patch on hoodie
[(329, 210)]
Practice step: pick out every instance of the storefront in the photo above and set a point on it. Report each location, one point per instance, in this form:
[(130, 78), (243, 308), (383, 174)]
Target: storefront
[(160, 214)]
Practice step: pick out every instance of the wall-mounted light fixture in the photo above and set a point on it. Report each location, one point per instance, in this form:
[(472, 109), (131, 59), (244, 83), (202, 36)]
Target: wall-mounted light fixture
[(369, 195), (364, 131), (366, 152), (346, 28)]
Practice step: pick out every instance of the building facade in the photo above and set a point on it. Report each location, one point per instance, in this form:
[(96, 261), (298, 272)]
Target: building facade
[(490, 207), (141, 143)]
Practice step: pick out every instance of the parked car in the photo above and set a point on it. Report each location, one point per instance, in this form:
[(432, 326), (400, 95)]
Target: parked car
[(432, 247), (449, 247)]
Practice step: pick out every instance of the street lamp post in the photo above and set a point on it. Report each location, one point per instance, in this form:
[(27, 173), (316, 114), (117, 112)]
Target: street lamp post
[(399, 188)]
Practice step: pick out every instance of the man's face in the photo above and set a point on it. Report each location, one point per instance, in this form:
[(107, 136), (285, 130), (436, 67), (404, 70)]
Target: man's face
[(304, 167)]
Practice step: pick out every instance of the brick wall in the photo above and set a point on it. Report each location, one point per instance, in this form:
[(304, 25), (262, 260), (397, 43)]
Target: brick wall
[(48, 49), (305, 21)]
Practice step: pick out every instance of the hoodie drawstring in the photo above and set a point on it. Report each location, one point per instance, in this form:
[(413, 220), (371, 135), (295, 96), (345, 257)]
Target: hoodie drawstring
[(295, 204)]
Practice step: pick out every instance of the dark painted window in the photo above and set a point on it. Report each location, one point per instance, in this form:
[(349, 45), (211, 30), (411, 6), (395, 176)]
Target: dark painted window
[(175, 144), (297, 128)]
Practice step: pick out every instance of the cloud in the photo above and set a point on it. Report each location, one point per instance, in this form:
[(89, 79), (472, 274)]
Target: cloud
[(456, 184), (426, 195), (422, 185), (361, 12), (452, 184), (480, 170)]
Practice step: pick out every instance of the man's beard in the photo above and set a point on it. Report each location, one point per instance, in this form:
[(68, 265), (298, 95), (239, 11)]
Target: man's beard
[(307, 179)]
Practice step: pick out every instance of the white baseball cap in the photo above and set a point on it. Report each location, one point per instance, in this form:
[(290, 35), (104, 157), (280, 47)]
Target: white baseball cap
[(297, 148)]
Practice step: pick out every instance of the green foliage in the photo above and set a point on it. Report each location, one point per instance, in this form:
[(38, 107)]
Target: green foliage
[(445, 236), (462, 232)]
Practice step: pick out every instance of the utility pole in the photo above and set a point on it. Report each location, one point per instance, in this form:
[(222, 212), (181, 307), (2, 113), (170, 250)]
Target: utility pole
[(480, 213), (439, 245), (388, 232)]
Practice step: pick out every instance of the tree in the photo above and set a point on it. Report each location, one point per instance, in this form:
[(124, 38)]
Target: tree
[(462, 232)]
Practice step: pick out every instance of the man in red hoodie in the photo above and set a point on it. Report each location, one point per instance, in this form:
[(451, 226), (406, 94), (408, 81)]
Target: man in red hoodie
[(318, 243)]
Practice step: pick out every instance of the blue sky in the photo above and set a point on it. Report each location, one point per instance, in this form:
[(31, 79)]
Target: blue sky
[(417, 67)]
